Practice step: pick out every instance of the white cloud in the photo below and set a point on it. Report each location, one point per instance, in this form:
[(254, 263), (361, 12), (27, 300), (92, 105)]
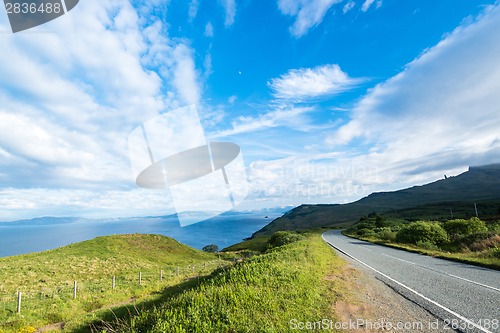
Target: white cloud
[(321, 178), (348, 6), (441, 112), (68, 104), (282, 116), (440, 115), (209, 30), (308, 13), (193, 9), (36, 202), (230, 11), (185, 76), (207, 64), (367, 4), (232, 99), (306, 83)]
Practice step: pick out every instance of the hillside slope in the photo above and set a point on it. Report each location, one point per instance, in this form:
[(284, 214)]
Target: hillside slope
[(109, 255), (108, 270), (265, 293), (478, 183)]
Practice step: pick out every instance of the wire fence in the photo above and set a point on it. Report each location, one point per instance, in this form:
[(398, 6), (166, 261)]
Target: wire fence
[(88, 296)]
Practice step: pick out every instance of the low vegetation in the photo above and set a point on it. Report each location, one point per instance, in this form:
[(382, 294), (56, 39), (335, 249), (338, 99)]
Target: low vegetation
[(46, 279), (250, 246), (264, 293), (287, 276), (212, 248), (422, 232), (281, 238), (468, 240)]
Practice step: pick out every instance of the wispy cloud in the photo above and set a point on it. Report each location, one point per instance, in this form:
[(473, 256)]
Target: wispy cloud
[(295, 86), (282, 116), (193, 9), (209, 30), (438, 116), (185, 76), (207, 65), (307, 83), (66, 110), (348, 6), (366, 5), (308, 13), (232, 99), (35, 202), (230, 11), (442, 111)]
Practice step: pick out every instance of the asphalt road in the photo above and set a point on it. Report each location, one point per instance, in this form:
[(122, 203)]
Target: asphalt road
[(465, 297)]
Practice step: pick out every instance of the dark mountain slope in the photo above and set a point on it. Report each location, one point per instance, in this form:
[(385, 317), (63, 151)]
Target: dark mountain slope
[(478, 183)]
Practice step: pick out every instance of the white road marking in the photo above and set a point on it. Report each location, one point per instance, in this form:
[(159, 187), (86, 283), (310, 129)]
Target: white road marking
[(440, 272), (411, 290)]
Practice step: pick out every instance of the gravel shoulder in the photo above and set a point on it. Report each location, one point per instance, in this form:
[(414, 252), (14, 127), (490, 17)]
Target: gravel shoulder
[(372, 306)]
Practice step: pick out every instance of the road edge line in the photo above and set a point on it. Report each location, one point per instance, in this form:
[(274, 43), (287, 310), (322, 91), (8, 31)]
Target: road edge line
[(410, 289)]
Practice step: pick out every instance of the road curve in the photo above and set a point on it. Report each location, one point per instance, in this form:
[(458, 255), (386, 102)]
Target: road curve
[(466, 297)]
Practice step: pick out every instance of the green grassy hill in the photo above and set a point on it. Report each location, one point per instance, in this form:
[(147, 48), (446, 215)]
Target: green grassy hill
[(477, 184), (46, 279), (297, 282), (109, 255)]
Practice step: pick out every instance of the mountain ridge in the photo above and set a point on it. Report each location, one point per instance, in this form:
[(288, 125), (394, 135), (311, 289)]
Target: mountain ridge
[(476, 184)]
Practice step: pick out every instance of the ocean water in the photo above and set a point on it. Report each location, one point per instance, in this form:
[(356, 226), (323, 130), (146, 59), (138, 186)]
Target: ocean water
[(222, 231)]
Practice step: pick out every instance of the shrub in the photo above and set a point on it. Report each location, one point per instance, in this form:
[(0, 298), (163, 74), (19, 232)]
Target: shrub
[(475, 237), (280, 238), (495, 253), (387, 234), (458, 228), (495, 226), (379, 221), (422, 231), (427, 245), (365, 232), (212, 248), (363, 225)]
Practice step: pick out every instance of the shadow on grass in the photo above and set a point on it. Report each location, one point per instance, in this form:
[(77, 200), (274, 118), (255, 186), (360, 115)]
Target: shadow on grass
[(108, 320)]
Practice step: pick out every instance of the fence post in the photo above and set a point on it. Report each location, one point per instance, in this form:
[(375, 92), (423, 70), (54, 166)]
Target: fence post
[(74, 290), (204, 265), (177, 270), (161, 275), (113, 282), (18, 302), (193, 269), (140, 278)]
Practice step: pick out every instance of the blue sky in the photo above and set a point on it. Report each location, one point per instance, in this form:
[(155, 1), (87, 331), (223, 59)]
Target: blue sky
[(330, 100)]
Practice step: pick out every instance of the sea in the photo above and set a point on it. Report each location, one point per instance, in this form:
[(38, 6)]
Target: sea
[(50, 233)]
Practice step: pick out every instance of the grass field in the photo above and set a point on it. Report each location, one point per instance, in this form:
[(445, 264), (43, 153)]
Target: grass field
[(265, 293), (46, 279), (256, 244)]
